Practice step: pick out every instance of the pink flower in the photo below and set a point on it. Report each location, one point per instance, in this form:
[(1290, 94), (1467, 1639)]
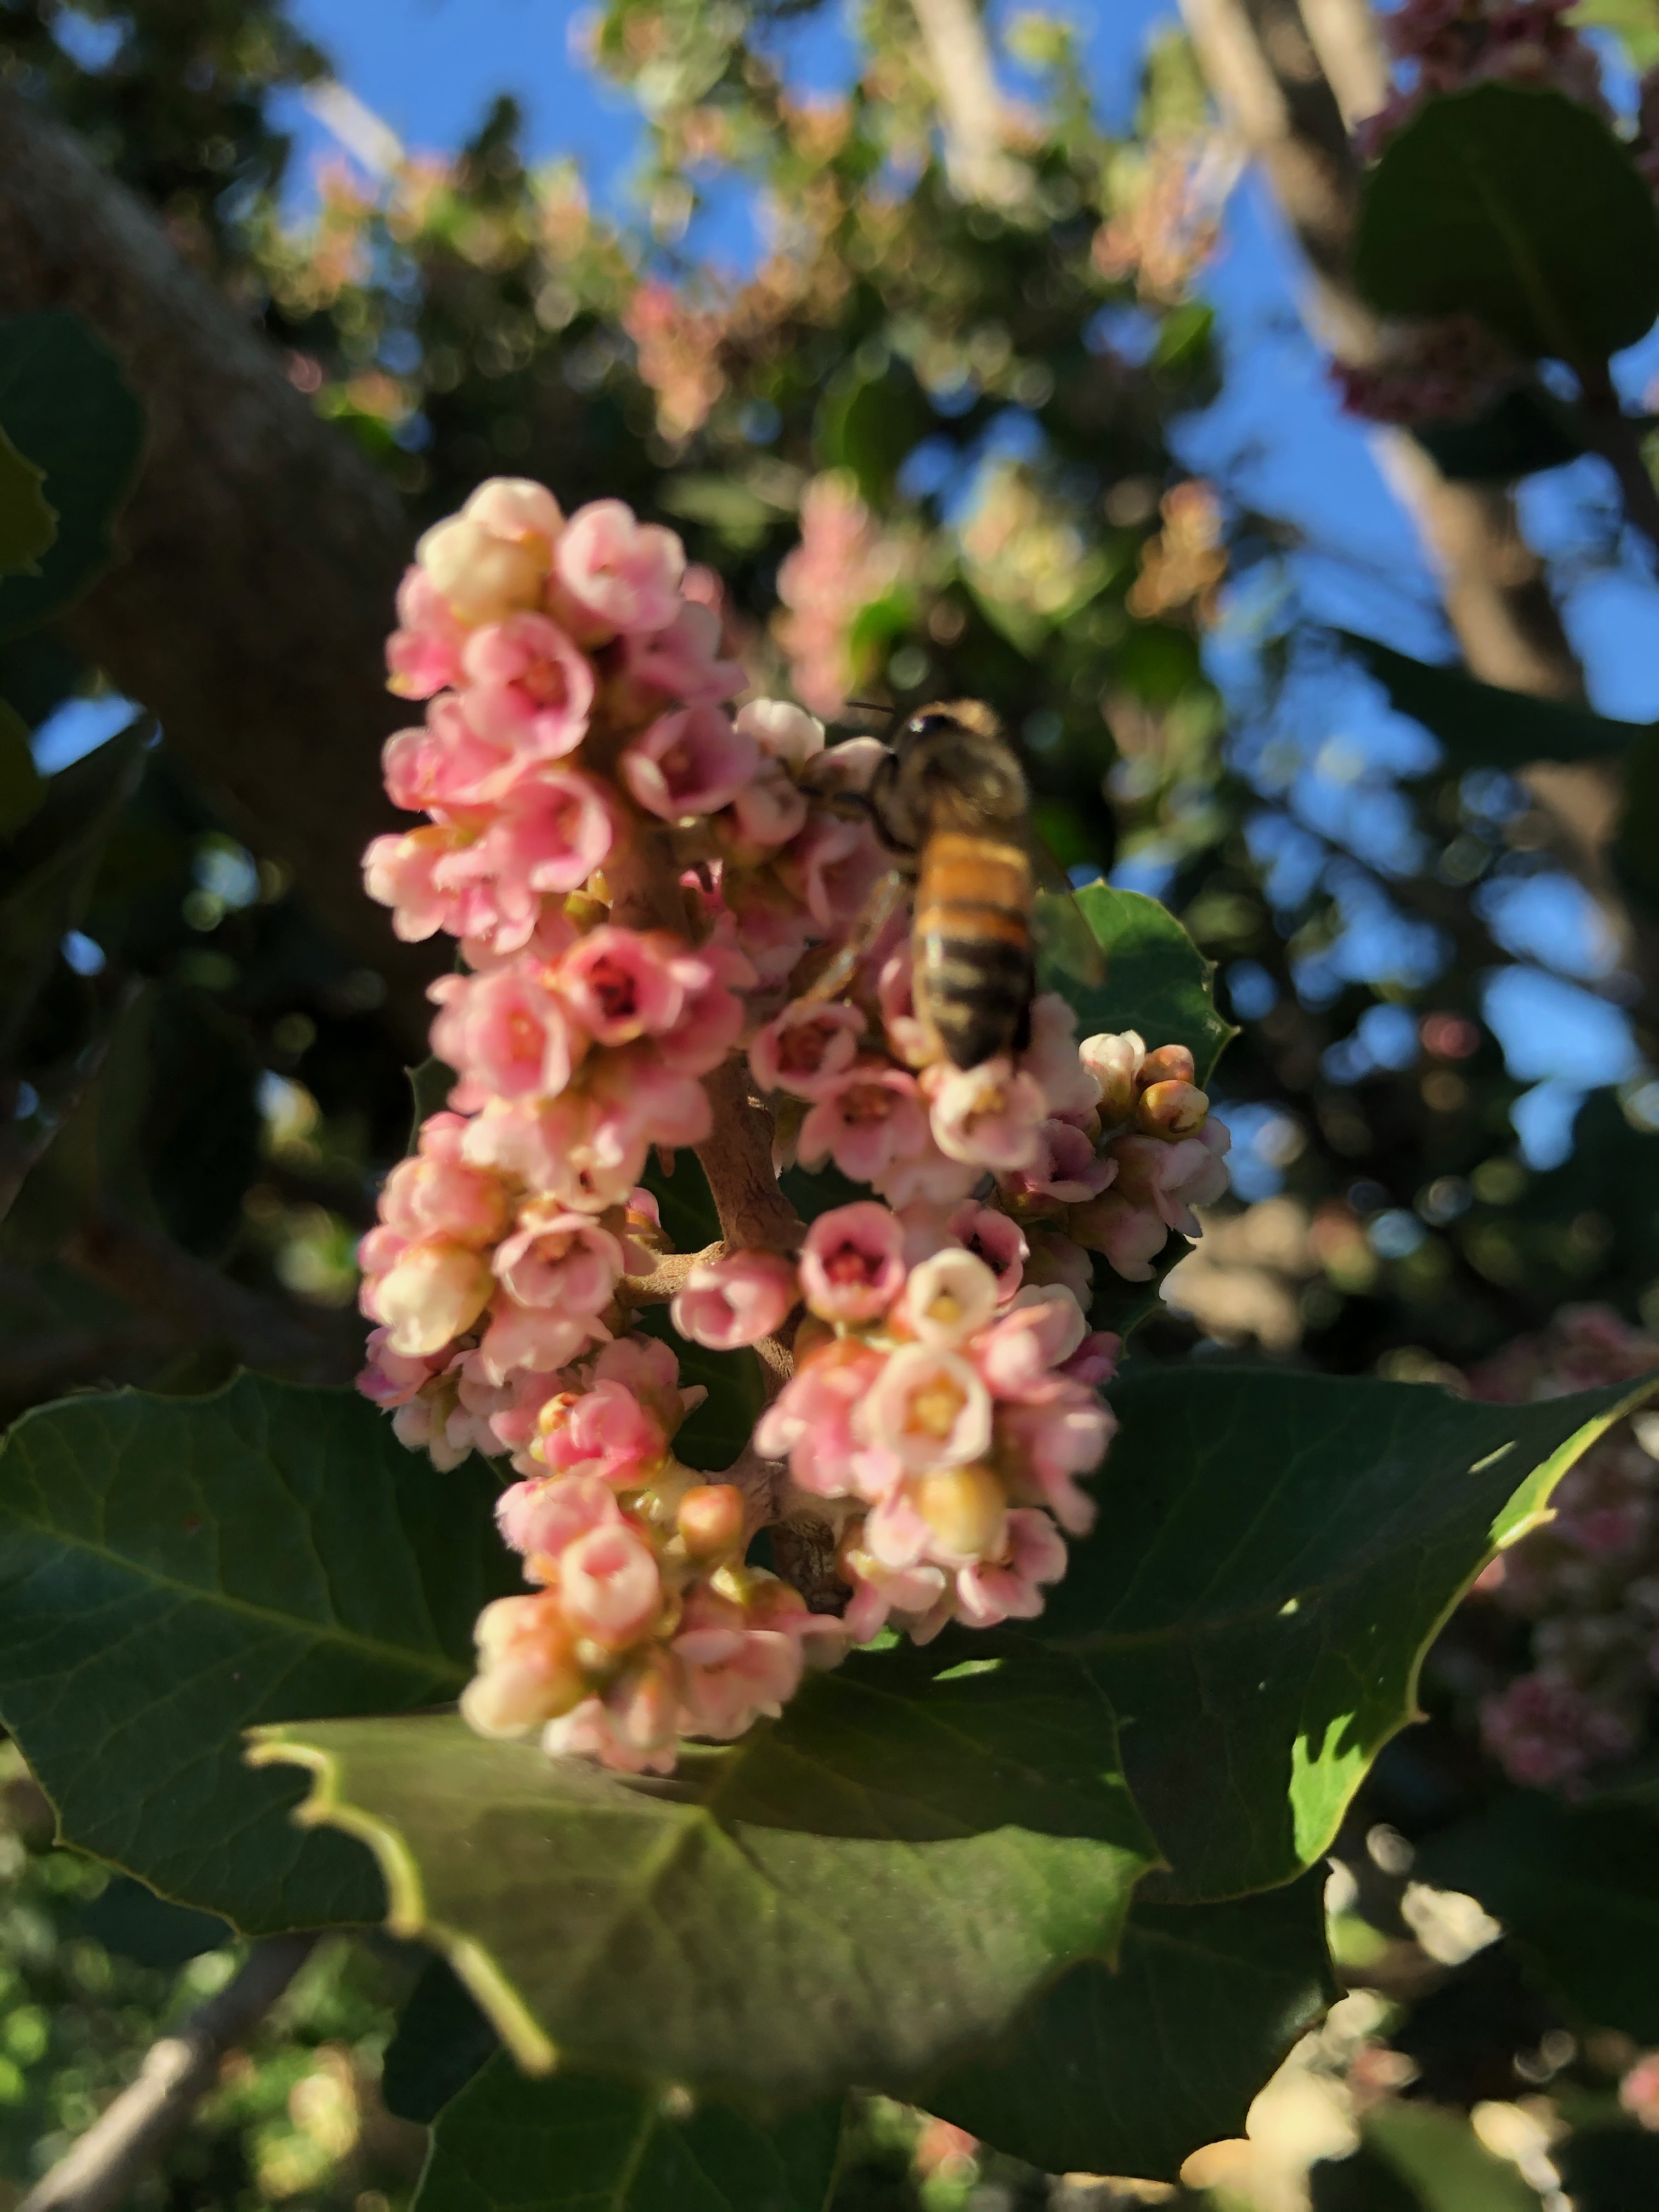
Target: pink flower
[(423, 653), (908, 1038), (548, 1513), (783, 732), (988, 1117), (1052, 1061), (766, 813), (732, 1671), (536, 1338), (810, 1423), (430, 1198), (492, 558), (683, 660), (605, 1430), (621, 983), (926, 1177), (609, 1584), (1130, 1236), (712, 1017), (693, 761), (1064, 1167), (772, 928), (990, 1591), (916, 1593), (852, 1266), (1544, 1730), (927, 1409), (389, 1379), (444, 767), (527, 1673), (505, 1033), (735, 1301), (863, 1121), (630, 1730), (645, 1365), (1094, 1360), (1115, 1062), (622, 574), (1055, 1432), (556, 1258), (948, 1298), (641, 1102), (1040, 1330), (996, 1239), (529, 690), (554, 828), (831, 868), (433, 1292), (401, 872), (806, 1047)]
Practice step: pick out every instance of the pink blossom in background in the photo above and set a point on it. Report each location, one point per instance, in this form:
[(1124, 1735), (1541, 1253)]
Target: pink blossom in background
[(692, 761)]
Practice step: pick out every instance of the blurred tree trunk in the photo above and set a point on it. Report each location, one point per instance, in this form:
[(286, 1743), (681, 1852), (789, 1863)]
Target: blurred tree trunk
[(1291, 80), (260, 550)]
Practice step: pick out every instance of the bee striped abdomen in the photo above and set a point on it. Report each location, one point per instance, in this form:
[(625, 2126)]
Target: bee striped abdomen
[(972, 940)]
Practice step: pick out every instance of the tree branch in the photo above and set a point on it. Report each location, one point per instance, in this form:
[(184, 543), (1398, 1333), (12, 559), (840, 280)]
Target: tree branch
[(100, 2170), (262, 551), (977, 158)]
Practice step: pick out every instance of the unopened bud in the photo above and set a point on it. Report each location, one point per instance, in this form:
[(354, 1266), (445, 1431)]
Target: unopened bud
[(484, 578), (1175, 1108), (966, 1510), (1170, 1063), (711, 1519)]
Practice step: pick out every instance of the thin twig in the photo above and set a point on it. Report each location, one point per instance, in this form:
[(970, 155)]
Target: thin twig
[(99, 2171), (1613, 435)]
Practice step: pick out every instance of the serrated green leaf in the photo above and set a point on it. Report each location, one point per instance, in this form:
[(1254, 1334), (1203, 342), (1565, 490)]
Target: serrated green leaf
[(132, 1920), (868, 1889), (28, 521), (1517, 205), (1275, 1554), (1577, 1888), (573, 2144), (172, 1570), (64, 402), (1156, 981), (1130, 2071), (1483, 725)]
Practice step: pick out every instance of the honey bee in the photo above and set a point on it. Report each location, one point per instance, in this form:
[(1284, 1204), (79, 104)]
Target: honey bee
[(950, 801)]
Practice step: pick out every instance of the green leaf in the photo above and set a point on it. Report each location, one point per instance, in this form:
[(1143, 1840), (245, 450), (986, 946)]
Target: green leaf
[(1524, 430), (28, 522), (574, 2144), (23, 786), (132, 1920), (1481, 724), (868, 424), (441, 2041), (1443, 2162), (866, 1890), (1275, 1554), (1577, 1888), (1156, 981), (64, 402), (1608, 2169), (1517, 205), (172, 1570), (1128, 2072), (1636, 843)]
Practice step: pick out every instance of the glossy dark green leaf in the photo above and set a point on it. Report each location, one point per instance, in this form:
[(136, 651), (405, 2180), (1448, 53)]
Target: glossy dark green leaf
[(1273, 1555), (1156, 981), (1481, 724), (441, 2041), (28, 522), (1438, 2157), (63, 401), (173, 1569), (1129, 2071), (1517, 205), (1636, 843), (1522, 431), (865, 1891), (132, 1920), (1577, 1888), (574, 2144)]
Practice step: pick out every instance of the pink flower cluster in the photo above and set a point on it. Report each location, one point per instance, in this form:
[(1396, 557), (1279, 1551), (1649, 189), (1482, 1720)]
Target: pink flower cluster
[(635, 875), (1102, 1146), (946, 1408), (1449, 44), (843, 563), (1585, 1585)]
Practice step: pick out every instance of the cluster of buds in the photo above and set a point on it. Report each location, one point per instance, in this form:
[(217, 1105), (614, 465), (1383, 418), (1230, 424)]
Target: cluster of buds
[(1584, 1587), (645, 886), (647, 1624)]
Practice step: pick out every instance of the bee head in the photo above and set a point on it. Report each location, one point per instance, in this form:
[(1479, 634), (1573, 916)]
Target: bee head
[(970, 715)]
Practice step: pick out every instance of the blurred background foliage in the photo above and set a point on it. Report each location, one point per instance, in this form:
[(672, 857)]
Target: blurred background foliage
[(930, 443)]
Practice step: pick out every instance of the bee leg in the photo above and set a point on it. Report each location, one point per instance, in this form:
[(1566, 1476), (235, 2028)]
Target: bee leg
[(881, 906)]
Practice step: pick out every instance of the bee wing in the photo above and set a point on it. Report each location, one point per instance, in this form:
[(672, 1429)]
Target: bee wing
[(1067, 950)]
